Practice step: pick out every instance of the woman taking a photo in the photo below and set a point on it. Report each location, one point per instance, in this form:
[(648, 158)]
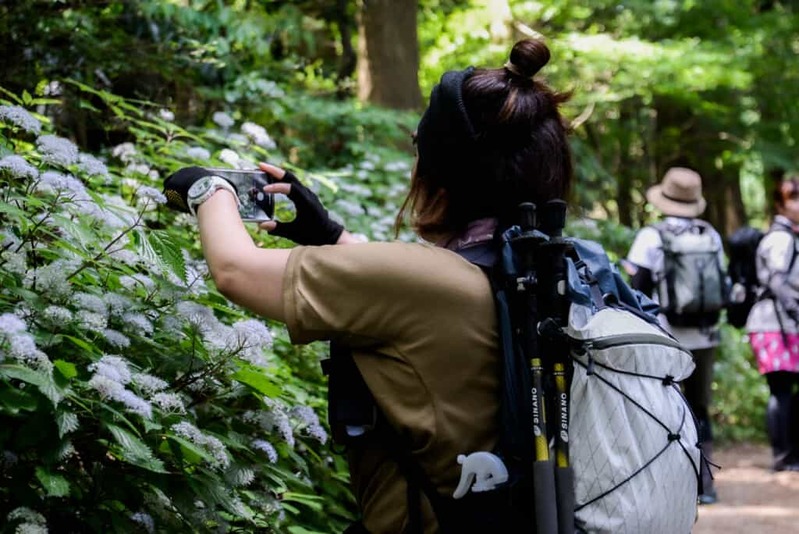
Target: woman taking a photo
[(418, 318)]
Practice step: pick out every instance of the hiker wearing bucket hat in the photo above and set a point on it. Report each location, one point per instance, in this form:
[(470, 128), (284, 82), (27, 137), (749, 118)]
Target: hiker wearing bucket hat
[(679, 261), (679, 194)]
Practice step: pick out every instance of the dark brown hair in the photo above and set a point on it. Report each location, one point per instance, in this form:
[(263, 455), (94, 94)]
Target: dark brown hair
[(519, 151), (786, 188)]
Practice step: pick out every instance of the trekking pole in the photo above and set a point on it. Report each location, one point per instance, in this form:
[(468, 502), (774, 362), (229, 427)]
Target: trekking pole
[(555, 345), (544, 494)]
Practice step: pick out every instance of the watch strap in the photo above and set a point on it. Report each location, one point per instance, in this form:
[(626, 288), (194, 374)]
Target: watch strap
[(217, 183)]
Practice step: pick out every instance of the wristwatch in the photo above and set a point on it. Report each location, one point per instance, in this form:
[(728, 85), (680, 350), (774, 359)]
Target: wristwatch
[(204, 188)]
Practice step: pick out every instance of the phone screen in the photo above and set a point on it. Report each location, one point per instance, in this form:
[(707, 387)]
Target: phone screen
[(254, 204)]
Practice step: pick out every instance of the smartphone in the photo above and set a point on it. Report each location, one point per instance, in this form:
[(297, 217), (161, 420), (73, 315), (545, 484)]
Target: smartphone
[(254, 204)]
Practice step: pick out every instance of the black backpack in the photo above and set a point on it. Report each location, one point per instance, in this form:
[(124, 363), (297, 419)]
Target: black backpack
[(743, 245)]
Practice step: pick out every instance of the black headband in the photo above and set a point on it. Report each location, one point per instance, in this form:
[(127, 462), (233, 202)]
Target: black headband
[(445, 137)]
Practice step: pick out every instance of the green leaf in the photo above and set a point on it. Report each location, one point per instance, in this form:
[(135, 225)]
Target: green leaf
[(26, 98), (88, 347), (257, 380), (311, 501), (19, 372), (134, 451), (15, 400), (67, 369), (191, 452), (10, 95), (54, 485), (146, 250), (169, 251)]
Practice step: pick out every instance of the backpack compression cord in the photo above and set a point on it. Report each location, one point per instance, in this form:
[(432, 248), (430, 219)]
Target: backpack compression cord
[(542, 287)]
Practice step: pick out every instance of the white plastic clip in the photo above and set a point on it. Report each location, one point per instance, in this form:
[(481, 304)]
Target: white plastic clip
[(485, 469)]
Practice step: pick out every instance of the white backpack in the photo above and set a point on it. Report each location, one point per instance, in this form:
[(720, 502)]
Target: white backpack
[(633, 438)]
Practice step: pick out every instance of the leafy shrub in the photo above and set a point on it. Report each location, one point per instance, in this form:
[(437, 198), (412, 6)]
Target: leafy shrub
[(133, 396)]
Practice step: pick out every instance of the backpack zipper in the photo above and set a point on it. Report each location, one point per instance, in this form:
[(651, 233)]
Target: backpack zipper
[(607, 342)]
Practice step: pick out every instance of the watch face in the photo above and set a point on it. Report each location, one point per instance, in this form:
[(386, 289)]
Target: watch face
[(200, 187)]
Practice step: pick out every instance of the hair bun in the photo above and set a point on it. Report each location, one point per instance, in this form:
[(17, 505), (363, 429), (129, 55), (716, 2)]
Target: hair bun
[(527, 57)]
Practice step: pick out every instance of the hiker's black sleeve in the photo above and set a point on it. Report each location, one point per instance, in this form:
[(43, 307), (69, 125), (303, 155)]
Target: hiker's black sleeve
[(642, 281), (786, 294)]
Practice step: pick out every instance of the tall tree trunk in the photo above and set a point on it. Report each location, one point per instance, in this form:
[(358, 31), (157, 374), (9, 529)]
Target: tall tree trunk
[(388, 54)]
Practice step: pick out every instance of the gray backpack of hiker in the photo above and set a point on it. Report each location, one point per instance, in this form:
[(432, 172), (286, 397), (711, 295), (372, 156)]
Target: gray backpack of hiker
[(693, 288)]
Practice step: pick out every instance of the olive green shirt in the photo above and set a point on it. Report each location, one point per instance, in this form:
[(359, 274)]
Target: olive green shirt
[(421, 323)]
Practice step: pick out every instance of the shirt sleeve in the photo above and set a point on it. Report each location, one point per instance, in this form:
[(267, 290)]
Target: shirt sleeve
[(776, 251), (372, 293), (647, 250)]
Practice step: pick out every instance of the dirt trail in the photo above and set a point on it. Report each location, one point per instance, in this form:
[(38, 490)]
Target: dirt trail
[(752, 499)]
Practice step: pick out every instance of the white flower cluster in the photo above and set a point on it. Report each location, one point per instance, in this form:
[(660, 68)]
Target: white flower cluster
[(89, 320), (81, 203), (196, 152), (223, 120), (149, 384), (215, 448), (252, 337), (230, 157), (111, 374), (91, 166), (247, 338), (400, 166), (310, 422), (276, 419), (18, 167), (115, 338), (151, 193), (117, 304), (145, 520), (18, 344), (258, 135), (169, 402), (267, 448), (21, 118), (90, 302), (57, 150), (138, 323), (57, 315), (32, 522), (51, 279), (124, 152)]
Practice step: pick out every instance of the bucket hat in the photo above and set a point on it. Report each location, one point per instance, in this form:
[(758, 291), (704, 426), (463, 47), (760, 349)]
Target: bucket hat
[(678, 194)]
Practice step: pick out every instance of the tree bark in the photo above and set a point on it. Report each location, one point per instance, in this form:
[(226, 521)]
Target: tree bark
[(388, 54)]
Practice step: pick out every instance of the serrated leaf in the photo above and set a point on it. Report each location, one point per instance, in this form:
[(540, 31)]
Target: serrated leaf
[(51, 390), (169, 251), (146, 250), (54, 485), (67, 422), (258, 381), (134, 451)]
